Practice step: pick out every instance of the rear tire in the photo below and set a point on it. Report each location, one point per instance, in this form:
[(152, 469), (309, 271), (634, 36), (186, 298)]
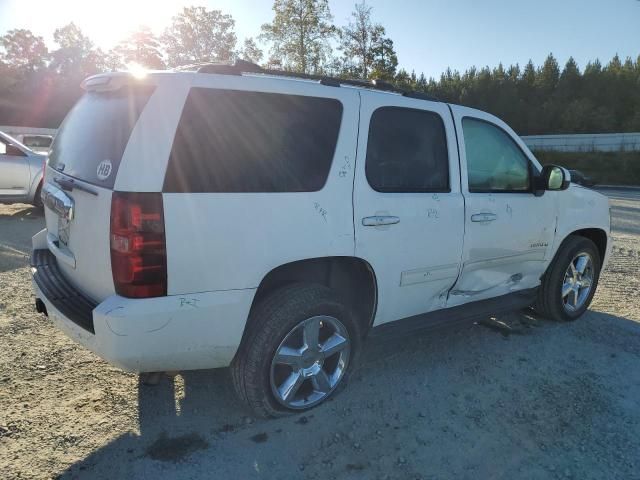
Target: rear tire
[(282, 366), (570, 282)]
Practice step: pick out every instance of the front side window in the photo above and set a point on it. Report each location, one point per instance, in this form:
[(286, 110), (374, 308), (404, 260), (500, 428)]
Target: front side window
[(495, 163), (407, 151), (239, 141)]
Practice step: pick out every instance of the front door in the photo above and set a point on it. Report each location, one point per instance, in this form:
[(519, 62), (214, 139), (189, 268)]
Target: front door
[(509, 231), (408, 209)]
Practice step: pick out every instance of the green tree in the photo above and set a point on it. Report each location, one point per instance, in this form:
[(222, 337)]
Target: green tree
[(113, 61), (250, 51), (299, 34), (198, 35), (75, 56), (385, 60), (365, 46), (548, 76), (23, 50), (570, 80), (141, 47)]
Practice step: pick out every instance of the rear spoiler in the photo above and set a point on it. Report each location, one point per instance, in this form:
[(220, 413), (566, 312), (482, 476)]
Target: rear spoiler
[(98, 82), (107, 82)]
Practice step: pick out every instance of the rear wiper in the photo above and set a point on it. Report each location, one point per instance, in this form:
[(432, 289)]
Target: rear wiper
[(68, 185)]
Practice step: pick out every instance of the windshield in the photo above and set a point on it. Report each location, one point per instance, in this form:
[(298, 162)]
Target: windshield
[(92, 139)]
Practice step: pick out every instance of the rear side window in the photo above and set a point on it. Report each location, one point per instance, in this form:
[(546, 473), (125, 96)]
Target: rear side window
[(236, 141), (407, 151), (91, 140)]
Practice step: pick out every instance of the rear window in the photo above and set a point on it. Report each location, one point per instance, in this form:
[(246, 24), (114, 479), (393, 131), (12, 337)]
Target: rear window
[(91, 140), (236, 141)]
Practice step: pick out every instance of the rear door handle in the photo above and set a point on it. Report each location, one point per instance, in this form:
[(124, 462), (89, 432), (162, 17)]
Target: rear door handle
[(483, 217), (378, 221)]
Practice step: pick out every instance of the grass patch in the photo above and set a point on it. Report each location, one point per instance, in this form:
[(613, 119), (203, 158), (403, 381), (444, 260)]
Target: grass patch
[(606, 168)]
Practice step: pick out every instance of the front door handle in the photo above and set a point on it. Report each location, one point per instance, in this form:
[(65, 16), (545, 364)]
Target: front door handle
[(483, 217), (380, 220)]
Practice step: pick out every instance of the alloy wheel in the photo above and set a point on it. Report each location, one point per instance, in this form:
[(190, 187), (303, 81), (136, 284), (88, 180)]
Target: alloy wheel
[(578, 281), (310, 362)]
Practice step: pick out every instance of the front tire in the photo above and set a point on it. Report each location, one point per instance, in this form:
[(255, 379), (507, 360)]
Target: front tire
[(571, 281), (300, 344)]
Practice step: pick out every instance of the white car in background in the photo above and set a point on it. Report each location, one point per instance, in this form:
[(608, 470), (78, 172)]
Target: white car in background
[(21, 171)]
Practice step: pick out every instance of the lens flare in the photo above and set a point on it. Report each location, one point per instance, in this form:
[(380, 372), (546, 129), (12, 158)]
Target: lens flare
[(137, 70)]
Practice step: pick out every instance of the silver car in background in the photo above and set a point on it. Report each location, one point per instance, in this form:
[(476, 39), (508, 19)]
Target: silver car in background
[(21, 172)]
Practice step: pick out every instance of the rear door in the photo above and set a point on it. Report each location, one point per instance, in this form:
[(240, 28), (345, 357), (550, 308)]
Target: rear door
[(82, 172), (509, 231), (408, 209)]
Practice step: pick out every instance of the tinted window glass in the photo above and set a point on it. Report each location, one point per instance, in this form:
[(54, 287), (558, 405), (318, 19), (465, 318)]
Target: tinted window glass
[(235, 141), (37, 141), (91, 140), (495, 163), (407, 151)]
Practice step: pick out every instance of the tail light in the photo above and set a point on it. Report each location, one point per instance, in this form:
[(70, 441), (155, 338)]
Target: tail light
[(138, 247)]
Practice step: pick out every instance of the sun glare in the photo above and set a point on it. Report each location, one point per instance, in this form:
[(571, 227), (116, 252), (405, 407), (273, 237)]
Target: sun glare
[(137, 70), (105, 22)]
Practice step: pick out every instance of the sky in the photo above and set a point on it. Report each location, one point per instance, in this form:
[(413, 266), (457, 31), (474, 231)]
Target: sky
[(429, 35)]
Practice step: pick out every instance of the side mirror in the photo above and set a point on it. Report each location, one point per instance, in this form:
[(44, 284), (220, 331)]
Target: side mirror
[(14, 151), (553, 178)]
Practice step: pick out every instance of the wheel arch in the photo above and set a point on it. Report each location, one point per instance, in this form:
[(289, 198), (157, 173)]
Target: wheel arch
[(36, 185), (597, 235), (352, 277)]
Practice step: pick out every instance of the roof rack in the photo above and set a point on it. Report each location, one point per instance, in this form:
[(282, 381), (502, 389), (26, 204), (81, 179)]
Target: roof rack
[(242, 66)]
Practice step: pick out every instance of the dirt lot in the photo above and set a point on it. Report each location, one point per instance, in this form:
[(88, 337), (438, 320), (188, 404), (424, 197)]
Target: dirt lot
[(546, 401)]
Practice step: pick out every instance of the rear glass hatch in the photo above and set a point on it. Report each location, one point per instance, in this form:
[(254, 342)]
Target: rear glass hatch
[(83, 165), (92, 139)]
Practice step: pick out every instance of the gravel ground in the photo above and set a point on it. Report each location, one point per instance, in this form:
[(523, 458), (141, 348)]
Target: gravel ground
[(545, 400)]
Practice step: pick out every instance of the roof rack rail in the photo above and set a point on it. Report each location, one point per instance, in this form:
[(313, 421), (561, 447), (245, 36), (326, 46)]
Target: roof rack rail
[(420, 96), (242, 66)]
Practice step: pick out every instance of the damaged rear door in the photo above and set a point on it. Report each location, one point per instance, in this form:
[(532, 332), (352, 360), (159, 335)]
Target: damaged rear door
[(508, 230)]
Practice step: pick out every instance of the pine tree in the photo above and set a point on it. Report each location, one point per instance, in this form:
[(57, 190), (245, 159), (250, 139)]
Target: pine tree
[(299, 34)]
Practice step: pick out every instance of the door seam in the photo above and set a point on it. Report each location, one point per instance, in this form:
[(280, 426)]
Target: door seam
[(464, 208)]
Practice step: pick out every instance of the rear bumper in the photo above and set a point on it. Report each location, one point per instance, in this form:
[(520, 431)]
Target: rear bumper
[(180, 332)]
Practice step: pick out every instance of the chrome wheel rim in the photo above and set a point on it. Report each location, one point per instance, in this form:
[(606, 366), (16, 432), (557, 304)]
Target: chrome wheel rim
[(310, 362), (578, 281)]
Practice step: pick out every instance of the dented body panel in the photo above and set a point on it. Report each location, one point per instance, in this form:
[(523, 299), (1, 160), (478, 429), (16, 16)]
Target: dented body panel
[(512, 249)]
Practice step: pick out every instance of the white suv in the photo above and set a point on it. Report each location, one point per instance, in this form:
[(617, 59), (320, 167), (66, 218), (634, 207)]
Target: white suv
[(222, 218)]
